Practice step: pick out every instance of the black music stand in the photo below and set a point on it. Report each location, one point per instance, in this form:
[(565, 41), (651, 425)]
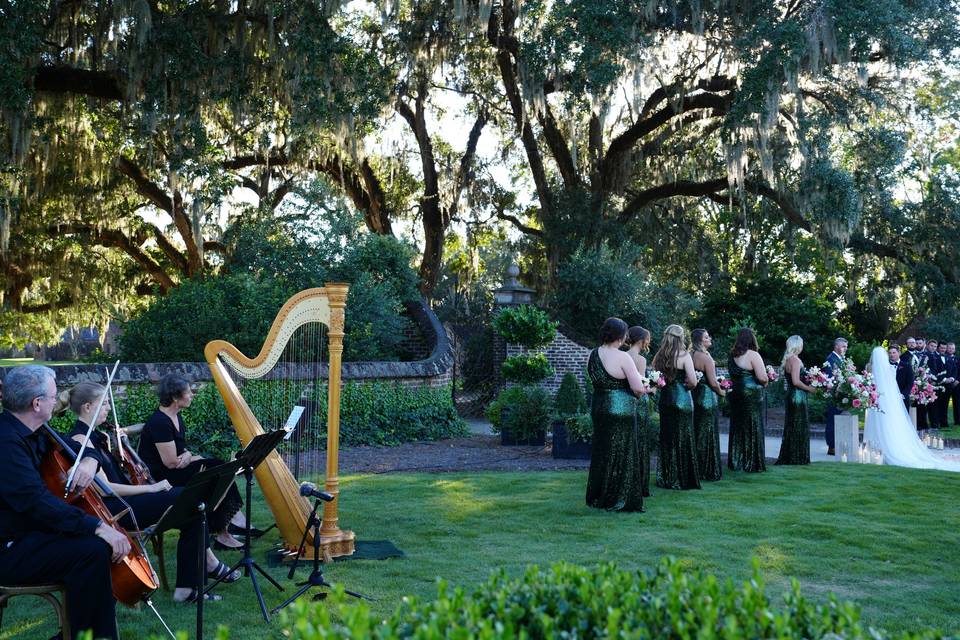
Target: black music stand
[(206, 488), (250, 458)]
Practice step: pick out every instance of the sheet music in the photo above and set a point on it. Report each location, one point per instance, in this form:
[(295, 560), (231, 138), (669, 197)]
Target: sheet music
[(293, 420)]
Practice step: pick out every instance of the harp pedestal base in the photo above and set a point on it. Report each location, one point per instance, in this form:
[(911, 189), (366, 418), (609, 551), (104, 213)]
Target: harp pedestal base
[(332, 546)]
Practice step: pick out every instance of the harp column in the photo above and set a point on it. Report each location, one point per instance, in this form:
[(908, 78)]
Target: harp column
[(333, 540)]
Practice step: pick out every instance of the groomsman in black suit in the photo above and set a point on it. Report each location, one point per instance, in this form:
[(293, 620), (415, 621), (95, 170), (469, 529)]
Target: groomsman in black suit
[(903, 372), (834, 367), (953, 371), (912, 354), (920, 360), (937, 367)]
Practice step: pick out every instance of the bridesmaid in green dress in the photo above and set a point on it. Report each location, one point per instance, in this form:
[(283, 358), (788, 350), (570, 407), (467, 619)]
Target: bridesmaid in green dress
[(677, 458), (639, 340), (795, 448), (706, 408), (615, 482), (749, 377)]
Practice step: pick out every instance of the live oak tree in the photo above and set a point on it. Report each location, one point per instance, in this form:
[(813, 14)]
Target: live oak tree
[(720, 135), (705, 128)]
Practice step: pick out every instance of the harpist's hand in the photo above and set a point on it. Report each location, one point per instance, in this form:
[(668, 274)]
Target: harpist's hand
[(84, 475)]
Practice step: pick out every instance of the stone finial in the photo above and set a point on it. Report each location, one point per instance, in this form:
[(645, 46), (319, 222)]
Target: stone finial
[(512, 293)]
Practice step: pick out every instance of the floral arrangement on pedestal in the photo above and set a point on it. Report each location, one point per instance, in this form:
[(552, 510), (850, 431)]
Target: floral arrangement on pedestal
[(854, 391), (925, 387)]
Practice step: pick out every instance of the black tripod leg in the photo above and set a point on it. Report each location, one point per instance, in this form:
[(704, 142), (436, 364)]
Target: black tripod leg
[(266, 575), (256, 590), (299, 593)]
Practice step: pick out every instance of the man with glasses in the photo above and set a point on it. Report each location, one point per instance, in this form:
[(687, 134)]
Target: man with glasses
[(44, 540)]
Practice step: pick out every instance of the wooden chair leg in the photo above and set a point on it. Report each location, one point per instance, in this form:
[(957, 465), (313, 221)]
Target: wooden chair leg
[(157, 542)]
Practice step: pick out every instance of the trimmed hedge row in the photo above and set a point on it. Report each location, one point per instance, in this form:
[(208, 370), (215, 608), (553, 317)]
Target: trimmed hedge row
[(378, 413), (569, 601)]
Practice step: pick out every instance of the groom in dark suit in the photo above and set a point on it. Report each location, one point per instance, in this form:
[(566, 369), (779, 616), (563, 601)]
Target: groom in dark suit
[(834, 367), (903, 372)]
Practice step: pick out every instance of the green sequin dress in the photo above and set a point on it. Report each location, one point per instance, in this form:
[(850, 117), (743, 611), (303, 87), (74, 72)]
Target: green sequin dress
[(615, 482), (746, 445), (795, 448), (643, 425), (677, 458), (706, 430)]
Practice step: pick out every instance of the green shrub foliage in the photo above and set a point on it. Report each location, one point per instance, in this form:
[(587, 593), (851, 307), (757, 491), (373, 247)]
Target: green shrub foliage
[(371, 413), (600, 283), (525, 325), (523, 411), (569, 601), (526, 369), (569, 400), (580, 427), (240, 304), (775, 308)]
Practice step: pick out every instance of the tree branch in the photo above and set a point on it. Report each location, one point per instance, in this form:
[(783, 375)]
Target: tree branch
[(626, 140), (96, 84), (118, 240), (145, 186), (519, 225), (670, 190)]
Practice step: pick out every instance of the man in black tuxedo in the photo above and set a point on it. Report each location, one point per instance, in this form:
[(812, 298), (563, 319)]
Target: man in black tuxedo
[(833, 367), (903, 372), (912, 354), (953, 371), (937, 367)]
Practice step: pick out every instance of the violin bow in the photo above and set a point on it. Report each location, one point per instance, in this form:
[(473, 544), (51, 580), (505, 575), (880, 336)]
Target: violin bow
[(116, 420), (86, 438)]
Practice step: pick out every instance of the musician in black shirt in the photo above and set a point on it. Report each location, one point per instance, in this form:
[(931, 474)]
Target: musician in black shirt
[(43, 539), (163, 447), (147, 501)]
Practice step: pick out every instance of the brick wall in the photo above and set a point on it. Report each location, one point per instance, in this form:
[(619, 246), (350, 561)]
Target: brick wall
[(563, 354), (433, 370)]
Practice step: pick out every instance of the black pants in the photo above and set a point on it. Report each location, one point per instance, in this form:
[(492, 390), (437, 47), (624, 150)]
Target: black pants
[(80, 563), (955, 396), (922, 416), (147, 509), (830, 430), (227, 508)]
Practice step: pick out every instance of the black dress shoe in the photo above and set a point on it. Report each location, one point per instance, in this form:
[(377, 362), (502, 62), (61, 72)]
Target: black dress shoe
[(831, 452)]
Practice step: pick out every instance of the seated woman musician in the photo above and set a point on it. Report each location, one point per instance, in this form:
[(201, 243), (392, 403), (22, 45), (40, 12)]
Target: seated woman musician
[(147, 501), (163, 448)]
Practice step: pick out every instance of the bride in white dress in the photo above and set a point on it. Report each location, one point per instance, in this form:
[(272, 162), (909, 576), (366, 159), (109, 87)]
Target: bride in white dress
[(892, 431)]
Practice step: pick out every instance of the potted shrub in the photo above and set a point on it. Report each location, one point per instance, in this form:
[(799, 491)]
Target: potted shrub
[(572, 428), (521, 413)]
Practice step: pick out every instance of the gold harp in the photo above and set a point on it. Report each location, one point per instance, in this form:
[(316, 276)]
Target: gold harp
[(321, 307)]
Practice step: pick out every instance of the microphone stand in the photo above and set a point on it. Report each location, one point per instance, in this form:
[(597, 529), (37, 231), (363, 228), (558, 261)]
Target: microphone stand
[(315, 579)]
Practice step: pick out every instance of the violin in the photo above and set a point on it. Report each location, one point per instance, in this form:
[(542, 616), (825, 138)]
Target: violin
[(133, 578), (135, 468)]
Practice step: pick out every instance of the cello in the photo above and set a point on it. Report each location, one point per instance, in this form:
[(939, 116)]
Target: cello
[(133, 577)]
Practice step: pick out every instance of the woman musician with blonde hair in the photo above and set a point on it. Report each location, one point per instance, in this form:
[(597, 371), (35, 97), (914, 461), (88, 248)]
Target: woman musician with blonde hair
[(147, 501), (795, 448)]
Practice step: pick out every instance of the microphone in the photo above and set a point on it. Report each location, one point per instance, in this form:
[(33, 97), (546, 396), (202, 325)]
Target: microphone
[(309, 490)]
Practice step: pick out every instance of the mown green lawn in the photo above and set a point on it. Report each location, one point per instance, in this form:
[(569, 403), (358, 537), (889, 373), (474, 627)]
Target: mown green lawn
[(885, 537)]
